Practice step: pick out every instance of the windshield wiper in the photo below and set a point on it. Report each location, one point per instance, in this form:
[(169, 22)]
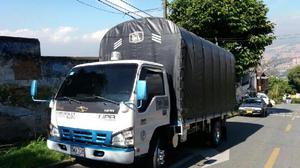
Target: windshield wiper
[(105, 99), (69, 99)]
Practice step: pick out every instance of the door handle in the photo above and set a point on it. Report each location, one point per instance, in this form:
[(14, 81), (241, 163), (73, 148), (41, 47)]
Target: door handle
[(143, 121)]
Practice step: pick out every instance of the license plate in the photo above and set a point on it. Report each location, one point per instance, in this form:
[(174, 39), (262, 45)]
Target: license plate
[(249, 111), (77, 151)]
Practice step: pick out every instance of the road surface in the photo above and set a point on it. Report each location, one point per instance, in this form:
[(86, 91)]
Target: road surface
[(252, 142)]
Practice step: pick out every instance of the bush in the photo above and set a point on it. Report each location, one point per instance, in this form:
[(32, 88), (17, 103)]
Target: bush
[(296, 100), (279, 87), (19, 95)]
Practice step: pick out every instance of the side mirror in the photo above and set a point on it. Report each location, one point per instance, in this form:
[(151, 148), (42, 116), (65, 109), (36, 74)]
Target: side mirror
[(33, 89), (33, 92), (141, 90)]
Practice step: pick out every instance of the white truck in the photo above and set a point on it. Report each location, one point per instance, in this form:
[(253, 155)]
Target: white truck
[(154, 84)]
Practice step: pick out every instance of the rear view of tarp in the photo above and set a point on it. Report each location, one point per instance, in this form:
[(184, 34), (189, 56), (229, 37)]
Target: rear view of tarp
[(201, 74)]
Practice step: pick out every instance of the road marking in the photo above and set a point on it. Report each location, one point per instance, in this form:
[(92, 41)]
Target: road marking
[(281, 114), (288, 127), (295, 115), (272, 159)]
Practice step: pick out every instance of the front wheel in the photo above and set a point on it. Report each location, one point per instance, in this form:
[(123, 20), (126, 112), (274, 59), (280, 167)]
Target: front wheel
[(157, 154), (264, 113)]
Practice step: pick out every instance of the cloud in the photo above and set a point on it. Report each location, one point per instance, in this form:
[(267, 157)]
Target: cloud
[(62, 41), (62, 34), (94, 36)]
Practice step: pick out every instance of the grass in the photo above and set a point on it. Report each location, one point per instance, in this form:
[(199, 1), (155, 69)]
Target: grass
[(35, 154)]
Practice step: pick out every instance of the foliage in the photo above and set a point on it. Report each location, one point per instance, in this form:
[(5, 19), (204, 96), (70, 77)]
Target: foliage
[(35, 154), (279, 87), (241, 27), (15, 95), (294, 77), (296, 100)]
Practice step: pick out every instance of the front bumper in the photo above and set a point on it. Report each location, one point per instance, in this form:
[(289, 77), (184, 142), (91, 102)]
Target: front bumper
[(111, 154), (251, 112)]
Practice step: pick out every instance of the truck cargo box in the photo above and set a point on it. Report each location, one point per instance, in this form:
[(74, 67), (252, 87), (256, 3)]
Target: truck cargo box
[(201, 74)]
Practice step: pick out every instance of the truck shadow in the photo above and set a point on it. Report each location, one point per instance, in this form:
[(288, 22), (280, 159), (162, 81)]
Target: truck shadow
[(197, 150)]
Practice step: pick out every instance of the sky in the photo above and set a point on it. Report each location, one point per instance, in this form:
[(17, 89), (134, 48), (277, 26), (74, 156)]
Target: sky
[(75, 27)]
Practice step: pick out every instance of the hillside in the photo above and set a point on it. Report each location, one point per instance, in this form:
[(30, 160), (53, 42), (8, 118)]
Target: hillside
[(282, 55)]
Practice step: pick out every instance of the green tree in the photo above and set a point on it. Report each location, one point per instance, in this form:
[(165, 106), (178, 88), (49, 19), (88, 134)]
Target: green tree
[(294, 77), (241, 26), (278, 87)]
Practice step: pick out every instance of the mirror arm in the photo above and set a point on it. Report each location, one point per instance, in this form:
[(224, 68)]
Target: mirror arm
[(38, 100), (141, 104), (134, 107)]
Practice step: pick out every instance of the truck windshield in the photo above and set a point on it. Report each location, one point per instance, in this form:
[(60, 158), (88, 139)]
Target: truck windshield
[(111, 83)]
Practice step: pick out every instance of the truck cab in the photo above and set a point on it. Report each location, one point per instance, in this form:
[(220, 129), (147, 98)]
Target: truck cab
[(109, 110)]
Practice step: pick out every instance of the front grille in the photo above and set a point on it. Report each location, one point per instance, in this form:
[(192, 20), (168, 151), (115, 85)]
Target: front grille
[(85, 136)]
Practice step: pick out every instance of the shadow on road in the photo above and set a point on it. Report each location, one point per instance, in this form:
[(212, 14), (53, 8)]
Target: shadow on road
[(237, 132), (96, 164), (279, 111)]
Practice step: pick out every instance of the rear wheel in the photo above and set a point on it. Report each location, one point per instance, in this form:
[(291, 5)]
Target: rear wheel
[(216, 133), (224, 130)]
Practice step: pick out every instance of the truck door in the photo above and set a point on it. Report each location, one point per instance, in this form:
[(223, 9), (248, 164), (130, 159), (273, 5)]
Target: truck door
[(154, 111)]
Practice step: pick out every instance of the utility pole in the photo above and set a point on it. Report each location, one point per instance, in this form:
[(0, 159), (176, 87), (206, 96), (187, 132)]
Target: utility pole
[(164, 5)]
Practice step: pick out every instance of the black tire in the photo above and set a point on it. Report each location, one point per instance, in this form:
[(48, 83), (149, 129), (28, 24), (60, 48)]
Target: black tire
[(156, 155), (216, 133), (224, 131), (264, 113)]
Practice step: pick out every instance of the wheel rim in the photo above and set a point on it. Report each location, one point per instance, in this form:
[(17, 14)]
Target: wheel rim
[(218, 136), (159, 157)]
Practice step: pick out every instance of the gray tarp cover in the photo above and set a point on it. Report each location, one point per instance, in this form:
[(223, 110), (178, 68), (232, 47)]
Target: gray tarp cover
[(201, 74)]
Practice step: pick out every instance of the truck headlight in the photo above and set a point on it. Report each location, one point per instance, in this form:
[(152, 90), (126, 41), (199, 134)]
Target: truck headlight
[(53, 131), (123, 138)]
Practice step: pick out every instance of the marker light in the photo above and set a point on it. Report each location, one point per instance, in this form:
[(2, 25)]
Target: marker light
[(115, 55)]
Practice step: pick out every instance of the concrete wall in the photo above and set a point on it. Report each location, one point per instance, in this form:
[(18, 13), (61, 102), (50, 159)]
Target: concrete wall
[(20, 63)]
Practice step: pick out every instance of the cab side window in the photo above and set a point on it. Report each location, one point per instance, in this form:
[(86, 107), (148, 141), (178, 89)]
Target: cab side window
[(155, 85)]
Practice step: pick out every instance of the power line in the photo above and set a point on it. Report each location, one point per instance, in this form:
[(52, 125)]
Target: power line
[(126, 10), (153, 9), (149, 10), (89, 5), (136, 8), (126, 13)]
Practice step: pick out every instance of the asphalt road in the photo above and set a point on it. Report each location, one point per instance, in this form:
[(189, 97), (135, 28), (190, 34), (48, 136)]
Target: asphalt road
[(252, 142)]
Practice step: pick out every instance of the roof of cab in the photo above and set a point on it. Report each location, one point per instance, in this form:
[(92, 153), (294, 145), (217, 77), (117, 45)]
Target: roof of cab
[(139, 62)]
